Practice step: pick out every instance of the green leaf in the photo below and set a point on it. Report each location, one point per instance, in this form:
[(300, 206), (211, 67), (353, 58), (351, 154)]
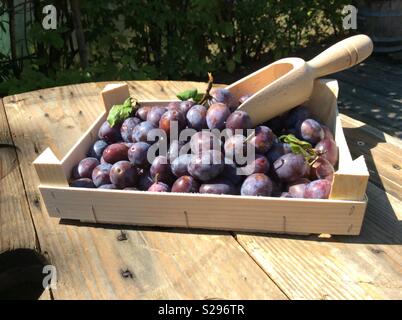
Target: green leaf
[(188, 94), (299, 150), (290, 138), (228, 28), (231, 66), (199, 97), (127, 102), (120, 112), (299, 146)]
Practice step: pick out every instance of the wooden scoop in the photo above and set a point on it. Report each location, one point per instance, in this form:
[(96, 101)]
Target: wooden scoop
[(289, 82)]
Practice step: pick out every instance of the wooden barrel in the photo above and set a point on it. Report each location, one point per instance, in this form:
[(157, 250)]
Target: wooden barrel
[(382, 21)]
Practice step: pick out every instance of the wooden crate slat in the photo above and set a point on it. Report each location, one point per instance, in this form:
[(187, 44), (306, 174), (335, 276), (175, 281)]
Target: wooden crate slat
[(206, 211)]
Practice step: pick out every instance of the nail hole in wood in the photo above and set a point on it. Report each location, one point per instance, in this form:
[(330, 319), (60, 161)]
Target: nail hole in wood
[(35, 148), (122, 236), (376, 251), (36, 202), (126, 274)]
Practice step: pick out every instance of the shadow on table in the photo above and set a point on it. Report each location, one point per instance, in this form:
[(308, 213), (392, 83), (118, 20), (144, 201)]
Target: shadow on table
[(21, 274), (381, 224), (372, 92), (123, 228), (387, 119)]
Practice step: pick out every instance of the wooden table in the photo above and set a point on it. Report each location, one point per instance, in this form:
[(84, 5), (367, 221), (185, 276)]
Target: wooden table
[(116, 262)]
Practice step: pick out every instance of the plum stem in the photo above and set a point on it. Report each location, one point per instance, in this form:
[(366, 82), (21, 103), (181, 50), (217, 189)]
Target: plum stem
[(250, 136), (316, 155), (209, 87), (314, 161), (134, 104)]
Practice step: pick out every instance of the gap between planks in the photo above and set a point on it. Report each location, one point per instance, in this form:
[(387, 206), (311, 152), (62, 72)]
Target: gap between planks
[(7, 128), (244, 247)]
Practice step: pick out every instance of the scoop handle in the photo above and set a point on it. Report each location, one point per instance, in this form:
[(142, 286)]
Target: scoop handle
[(342, 55)]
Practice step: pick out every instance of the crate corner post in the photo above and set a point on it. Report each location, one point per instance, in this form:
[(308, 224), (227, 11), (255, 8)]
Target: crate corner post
[(50, 169), (350, 182), (114, 93)]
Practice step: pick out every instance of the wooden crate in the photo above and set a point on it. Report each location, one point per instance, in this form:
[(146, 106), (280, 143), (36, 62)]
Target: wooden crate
[(341, 214)]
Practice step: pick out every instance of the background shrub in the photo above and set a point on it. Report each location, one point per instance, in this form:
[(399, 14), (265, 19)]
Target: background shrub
[(145, 39)]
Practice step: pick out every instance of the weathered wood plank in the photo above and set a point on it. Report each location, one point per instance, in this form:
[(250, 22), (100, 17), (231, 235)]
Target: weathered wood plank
[(16, 227), (363, 267), (378, 104), (97, 263), (382, 154), (386, 66), (347, 106), (373, 109), (45, 295), (369, 77), (371, 131), (372, 92)]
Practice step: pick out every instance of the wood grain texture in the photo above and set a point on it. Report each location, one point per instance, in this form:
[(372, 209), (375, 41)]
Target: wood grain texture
[(380, 111), (112, 94), (371, 92), (348, 122), (342, 55), (16, 227), (363, 267), (382, 154), (98, 263), (105, 262), (45, 295), (223, 212), (50, 169)]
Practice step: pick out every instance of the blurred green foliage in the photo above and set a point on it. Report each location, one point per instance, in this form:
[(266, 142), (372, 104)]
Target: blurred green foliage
[(166, 39)]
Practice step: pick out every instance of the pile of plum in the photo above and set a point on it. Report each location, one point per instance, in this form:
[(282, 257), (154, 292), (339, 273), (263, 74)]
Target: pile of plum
[(295, 155)]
